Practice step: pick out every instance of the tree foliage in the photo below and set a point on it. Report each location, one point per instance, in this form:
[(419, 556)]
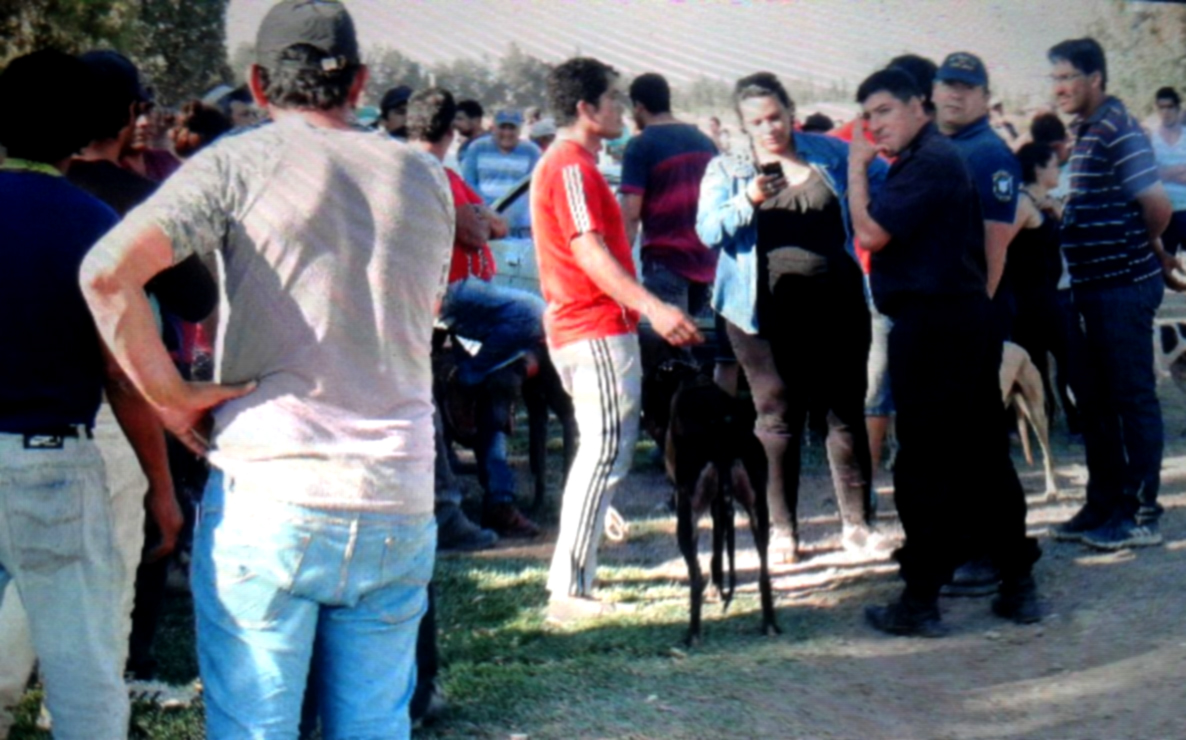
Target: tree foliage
[(179, 45), (71, 26), (1146, 49)]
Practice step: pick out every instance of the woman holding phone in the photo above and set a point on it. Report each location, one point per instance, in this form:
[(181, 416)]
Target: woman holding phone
[(791, 294)]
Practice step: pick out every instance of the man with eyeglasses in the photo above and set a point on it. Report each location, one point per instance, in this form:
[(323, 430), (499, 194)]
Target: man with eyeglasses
[(1169, 147), (1115, 214)]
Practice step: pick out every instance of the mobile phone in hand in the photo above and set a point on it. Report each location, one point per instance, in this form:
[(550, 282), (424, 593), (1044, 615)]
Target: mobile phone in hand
[(771, 168)]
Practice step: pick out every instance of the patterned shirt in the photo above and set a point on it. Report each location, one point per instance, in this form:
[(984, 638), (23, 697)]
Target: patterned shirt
[(1104, 238)]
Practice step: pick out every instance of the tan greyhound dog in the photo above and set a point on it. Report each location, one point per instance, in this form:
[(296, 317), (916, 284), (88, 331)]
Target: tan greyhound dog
[(1021, 387)]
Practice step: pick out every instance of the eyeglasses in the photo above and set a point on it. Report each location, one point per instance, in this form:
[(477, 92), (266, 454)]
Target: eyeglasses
[(1167, 106), (1064, 78)]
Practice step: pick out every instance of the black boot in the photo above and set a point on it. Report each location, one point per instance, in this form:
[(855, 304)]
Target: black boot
[(1018, 601), (908, 615)]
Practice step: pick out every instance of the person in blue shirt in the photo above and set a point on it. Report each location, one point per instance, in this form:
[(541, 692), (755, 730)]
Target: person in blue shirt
[(961, 98), (60, 550), (790, 292), (1116, 212), (495, 164)]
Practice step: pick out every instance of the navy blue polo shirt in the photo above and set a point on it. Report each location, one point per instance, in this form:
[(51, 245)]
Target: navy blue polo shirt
[(931, 210), (994, 169), (1104, 237), (53, 370)]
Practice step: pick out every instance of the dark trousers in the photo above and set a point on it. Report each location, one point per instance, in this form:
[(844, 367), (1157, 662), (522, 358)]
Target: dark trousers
[(813, 352), (1122, 425), (955, 487)]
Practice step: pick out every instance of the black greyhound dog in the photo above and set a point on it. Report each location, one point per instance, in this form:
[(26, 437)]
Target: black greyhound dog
[(466, 414), (712, 456)]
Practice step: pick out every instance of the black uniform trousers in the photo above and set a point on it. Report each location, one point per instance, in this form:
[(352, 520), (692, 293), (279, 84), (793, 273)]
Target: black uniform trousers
[(955, 487)]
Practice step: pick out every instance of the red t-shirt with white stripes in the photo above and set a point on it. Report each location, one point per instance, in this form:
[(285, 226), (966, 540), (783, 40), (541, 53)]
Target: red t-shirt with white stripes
[(569, 197)]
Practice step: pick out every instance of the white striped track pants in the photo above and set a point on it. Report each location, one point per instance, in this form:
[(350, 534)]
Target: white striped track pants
[(604, 378)]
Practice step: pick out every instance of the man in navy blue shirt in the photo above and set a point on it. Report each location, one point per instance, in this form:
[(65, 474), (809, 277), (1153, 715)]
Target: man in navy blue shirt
[(957, 494), (961, 99), (1115, 214), (59, 549)]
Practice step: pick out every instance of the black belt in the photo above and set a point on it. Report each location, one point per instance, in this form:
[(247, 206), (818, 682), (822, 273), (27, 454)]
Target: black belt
[(54, 437)]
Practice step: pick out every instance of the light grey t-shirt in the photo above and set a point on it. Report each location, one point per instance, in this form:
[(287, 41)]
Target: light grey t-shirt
[(335, 246)]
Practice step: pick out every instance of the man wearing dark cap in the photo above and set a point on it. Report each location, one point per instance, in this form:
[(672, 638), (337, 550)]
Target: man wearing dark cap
[(961, 98), (496, 163), (393, 111), (957, 494), (317, 524), (58, 542)]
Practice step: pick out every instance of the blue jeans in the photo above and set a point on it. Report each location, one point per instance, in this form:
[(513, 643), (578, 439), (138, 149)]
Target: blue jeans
[(270, 580), (57, 547), (1122, 426), (506, 321)]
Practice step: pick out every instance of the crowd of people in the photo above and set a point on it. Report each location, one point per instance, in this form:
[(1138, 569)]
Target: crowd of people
[(255, 330)]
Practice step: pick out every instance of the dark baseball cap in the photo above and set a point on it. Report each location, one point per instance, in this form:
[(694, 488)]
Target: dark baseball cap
[(323, 24), (394, 98), (963, 67), (116, 76)]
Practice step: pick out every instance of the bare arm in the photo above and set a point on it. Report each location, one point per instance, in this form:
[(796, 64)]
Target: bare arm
[(113, 276), (594, 258), (632, 215), (867, 231), (147, 437), (472, 227), (1175, 173)]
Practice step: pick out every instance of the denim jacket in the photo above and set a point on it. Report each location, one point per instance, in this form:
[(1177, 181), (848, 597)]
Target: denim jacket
[(725, 219)]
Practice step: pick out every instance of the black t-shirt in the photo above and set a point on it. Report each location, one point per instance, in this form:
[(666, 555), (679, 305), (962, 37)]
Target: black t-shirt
[(931, 210), (186, 290)]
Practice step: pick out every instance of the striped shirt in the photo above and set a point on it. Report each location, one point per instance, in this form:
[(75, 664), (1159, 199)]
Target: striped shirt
[(1104, 238), (569, 197)]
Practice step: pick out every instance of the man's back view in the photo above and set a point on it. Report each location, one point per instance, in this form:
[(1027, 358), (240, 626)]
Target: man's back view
[(317, 524)]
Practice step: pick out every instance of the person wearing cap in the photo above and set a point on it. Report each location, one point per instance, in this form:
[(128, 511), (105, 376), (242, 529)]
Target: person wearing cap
[(543, 133), (495, 164), (317, 523), (587, 276), (961, 98), (59, 547), (957, 494), (393, 111), (1116, 212)]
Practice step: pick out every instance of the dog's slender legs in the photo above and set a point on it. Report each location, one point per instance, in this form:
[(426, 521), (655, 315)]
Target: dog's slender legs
[(759, 520), (689, 504)]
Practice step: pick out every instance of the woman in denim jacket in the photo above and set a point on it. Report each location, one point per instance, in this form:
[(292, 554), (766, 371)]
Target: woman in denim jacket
[(791, 294)]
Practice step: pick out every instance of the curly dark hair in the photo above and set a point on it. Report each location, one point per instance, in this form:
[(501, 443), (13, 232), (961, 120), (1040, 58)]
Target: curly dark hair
[(299, 81), (430, 114), (576, 80), (40, 96)]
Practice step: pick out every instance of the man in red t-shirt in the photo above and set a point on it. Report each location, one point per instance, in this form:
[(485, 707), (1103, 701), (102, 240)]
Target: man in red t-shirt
[(507, 322), (594, 303)]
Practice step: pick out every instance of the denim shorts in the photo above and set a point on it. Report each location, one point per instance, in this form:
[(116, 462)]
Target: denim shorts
[(879, 401)]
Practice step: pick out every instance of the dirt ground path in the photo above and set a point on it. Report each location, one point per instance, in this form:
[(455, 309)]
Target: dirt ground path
[(1107, 661)]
